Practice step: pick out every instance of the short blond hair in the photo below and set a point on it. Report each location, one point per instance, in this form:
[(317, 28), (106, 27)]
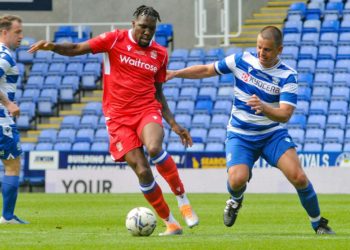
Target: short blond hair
[(7, 20)]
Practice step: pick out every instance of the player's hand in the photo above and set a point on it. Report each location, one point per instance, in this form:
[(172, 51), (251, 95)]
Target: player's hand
[(256, 104), (170, 74), (185, 136), (13, 109), (41, 45)]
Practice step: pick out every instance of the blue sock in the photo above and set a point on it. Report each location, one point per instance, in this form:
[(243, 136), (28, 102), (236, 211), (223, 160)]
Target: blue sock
[(9, 195), (309, 201), (236, 195)]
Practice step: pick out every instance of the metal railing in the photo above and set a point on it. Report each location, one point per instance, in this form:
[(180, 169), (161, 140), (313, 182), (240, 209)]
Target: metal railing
[(200, 20)]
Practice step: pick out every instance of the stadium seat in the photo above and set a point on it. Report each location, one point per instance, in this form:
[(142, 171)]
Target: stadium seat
[(344, 38), (92, 68), (35, 82), (325, 66), (92, 108), (176, 65), (316, 121), (315, 135), (336, 121), (185, 107), (101, 135), (329, 38), (210, 81), (297, 121), (172, 106), (306, 65), (89, 121), (62, 146), (312, 147), (304, 93), (100, 147), (27, 108), (222, 107), (191, 82), (327, 52), (74, 68), (196, 54), (102, 121), (174, 83), (85, 135), (179, 55), (52, 82), (290, 52), (332, 147), (188, 93), (59, 58), (184, 120), (201, 121), (207, 93), (81, 146), (216, 135), (298, 8), (199, 135), (25, 57), (219, 120), (24, 122), (321, 93), (340, 93), (226, 80), (334, 8), (309, 39), (28, 146), (175, 147), (225, 93), (44, 146), (323, 80), (292, 27), (341, 79), (57, 68), (203, 107), (305, 79), (66, 135), (302, 107), (342, 66), (164, 34), (343, 52), (330, 25), (297, 135), (171, 93), (88, 82), (196, 147), (334, 135), (214, 147), (292, 39), (338, 107), (233, 50), (308, 52), (96, 58), (39, 69), (43, 56), (70, 121), (313, 26), (214, 54)]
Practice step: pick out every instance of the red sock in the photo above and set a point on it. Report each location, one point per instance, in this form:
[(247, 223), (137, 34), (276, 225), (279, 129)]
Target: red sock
[(155, 197), (168, 170)]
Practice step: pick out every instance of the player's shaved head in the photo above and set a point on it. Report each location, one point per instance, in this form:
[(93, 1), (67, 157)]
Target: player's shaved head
[(144, 10), (272, 33)]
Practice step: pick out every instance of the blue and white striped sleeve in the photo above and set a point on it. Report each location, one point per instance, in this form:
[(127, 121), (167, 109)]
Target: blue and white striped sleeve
[(289, 91), (227, 65), (6, 62)]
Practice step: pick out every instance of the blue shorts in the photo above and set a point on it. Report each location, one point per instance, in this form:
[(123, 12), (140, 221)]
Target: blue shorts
[(241, 151), (10, 146)]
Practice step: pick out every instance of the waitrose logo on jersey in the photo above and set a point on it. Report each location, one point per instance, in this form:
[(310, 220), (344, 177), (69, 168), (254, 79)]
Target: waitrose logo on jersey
[(138, 63)]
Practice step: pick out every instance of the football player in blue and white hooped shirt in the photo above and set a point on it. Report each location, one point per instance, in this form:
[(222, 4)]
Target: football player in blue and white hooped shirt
[(10, 148), (265, 95)]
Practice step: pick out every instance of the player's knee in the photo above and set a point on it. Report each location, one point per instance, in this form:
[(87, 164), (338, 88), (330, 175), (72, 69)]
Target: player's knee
[(299, 180), (144, 175), (237, 181), (154, 150)]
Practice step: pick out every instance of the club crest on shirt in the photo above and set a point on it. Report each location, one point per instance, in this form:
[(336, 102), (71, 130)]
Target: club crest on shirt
[(103, 35), (154, 54), (275, 80), (129, 47), (250, 69)]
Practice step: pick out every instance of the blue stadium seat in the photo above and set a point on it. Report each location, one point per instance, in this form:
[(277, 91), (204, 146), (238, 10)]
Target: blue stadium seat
[(214, 147), (173, 137), (302, 107), (343, 52), (344, 38), (214, 54), (304, 93), (346, 147), (298, 8), (297, 121), (78, 59), (310, 39), (57, 68), (225, 93), (312, 26), (334, 8), (43, 56), (102, 121), (342, 66), (297, 135), (48, 135), (70, 121), (89, 121), (30, 95), (329, 38), (210, 81), (306, 65), (330, 26), (175, 147), (290, 52), (291, 63), (346, 9), (340, 93), (92, 68), (74, 68), (338, 107), (314, 135), (341, 79), (39, 69), (292, 39), (85, 135), (316, 121), (327, 52), (179, 55), (176, 65), (24, 122), (334, 135), (18, 94), (201, 121), (332, 147), (325, 66), (199, 135), (88, 82), (216, 135), (222, 107), (24, 57), (203, 107), (171, 93), (292, 27), (233, 50), (330, 17), (66, 135), (207, 93), (47, 102), (81, 146), (172, 105), (336, 121), (196, 54), (188, 93), (219, 120), (196, 147), (35, 82), (92, 108), (27, 108), (347, 136), (226, 80), (59, 58), (53, 81), (323, 80), (28, 146), (62, 146), (100, 147), (98, 58), (185, 107), (307, 52), (164, 34), (191, 82), (184, 120), (321, 93), (174, 83), (312, 147), (305, 79), (101, 135), (44, 146)]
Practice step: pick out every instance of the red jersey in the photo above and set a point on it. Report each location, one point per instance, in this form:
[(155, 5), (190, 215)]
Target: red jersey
[(130, 72)]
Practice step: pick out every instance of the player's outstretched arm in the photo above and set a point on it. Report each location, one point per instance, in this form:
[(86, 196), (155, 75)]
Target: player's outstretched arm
[(66, 49), (193, 72), (185, 136)]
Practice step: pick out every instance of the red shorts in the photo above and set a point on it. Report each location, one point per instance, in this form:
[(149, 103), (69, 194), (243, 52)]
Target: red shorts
[(125, 132)]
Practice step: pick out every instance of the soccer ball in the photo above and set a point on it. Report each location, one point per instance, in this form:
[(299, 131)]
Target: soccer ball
[(141, 221)]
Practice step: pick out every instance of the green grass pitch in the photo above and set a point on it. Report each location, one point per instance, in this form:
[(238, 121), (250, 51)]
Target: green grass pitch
[(96, 221)]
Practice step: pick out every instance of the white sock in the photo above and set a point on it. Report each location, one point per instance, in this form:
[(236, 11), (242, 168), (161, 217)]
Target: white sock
[(171, 219), (182, 200)]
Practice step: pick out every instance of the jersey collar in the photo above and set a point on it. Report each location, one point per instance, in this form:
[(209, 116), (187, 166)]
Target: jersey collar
[(132, 39)]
